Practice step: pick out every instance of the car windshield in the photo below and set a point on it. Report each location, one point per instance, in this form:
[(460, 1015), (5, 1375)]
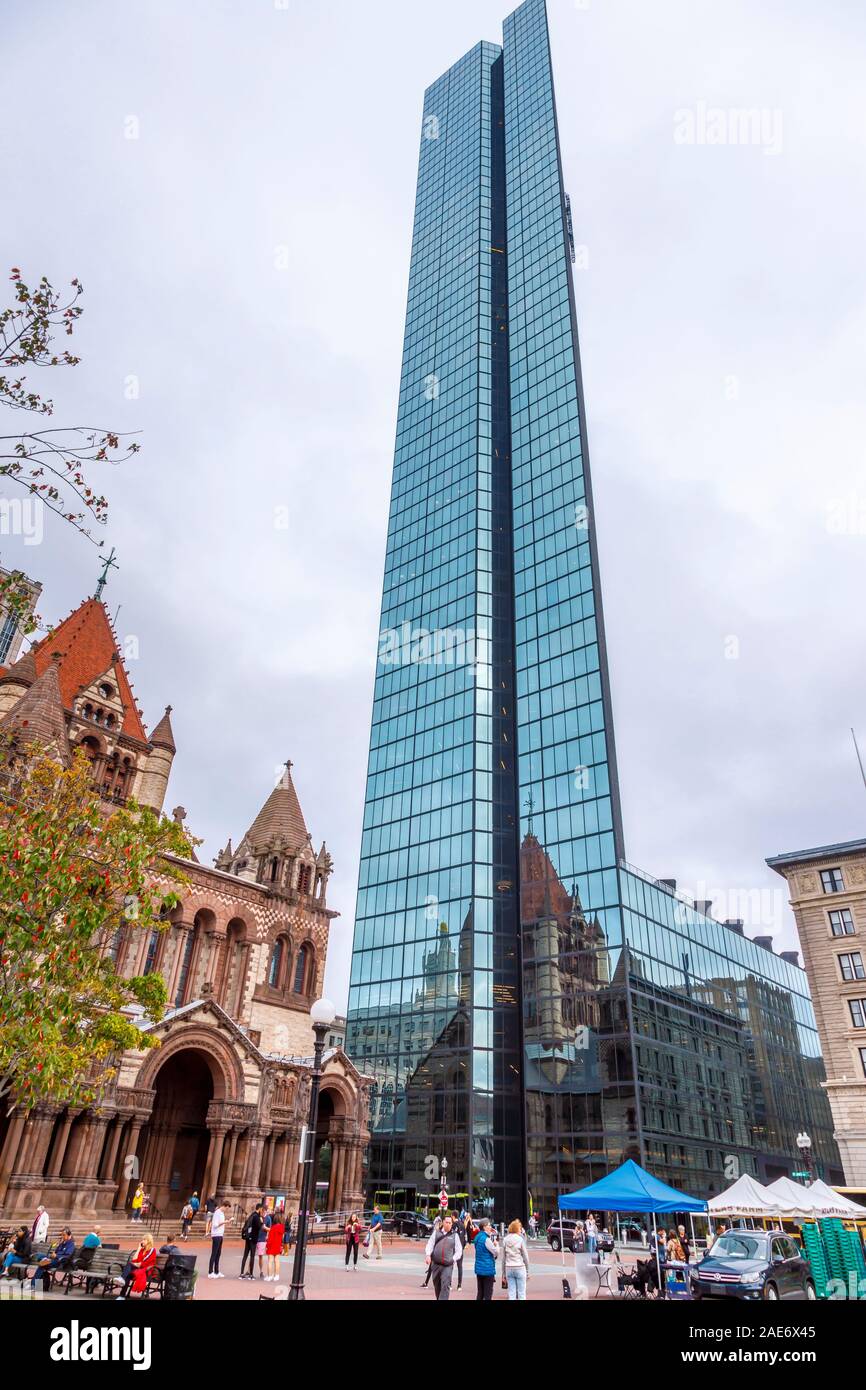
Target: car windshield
[(739, 1247)]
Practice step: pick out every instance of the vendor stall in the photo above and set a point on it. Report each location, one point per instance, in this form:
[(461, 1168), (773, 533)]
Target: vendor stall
[(631, 1189)]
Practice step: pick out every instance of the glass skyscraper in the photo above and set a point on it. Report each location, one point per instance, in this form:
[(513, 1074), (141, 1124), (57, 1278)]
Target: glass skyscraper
[(531, 1008)]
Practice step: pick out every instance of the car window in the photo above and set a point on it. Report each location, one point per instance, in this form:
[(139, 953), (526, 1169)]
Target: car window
[(779, 1250), (791, 1249), (741, 1246)]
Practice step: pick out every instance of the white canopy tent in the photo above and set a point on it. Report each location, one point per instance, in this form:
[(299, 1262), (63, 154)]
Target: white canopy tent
[(746, 1197), (833, 1203), (794, 1200)]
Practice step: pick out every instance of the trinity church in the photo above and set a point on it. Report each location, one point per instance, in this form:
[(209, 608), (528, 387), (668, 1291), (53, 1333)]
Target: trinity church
[(220, 1105)]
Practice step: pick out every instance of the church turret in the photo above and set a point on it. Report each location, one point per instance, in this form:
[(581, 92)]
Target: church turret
[(154, 781), (38, 715), (16, 680)]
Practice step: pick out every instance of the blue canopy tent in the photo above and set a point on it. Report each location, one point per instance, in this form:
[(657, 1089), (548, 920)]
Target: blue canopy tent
[(630, 1188)]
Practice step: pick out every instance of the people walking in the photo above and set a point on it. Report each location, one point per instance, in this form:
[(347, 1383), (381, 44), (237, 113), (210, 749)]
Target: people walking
[(186, 1217), (250, 1235), (516, 1262), (460, 1232), (352, 1231), (533, 1226), (486, 1249), (437, 1226), (442, 1251), (39, 1229), (288, 1233), (217, 1232), (376, 1228)]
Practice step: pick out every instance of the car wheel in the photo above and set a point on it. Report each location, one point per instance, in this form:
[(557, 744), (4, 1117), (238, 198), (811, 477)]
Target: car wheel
[(810, 1291), (555, 1243), (771, 1293)]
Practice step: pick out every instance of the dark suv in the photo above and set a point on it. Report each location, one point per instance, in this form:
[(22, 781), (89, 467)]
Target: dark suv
[(561, 1232), (411, 1223), (753, 1264)]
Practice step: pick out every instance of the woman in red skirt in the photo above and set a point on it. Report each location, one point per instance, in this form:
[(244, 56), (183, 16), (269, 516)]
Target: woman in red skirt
[(273, 1250)]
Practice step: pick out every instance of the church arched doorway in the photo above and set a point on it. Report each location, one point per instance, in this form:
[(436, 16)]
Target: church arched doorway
[(177, 1139), (324, 1151)]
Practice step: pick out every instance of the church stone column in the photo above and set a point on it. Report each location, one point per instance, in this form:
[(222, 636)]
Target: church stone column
[(230, 1162), (12, 1147), (58, 1153), (35, 1147), (107, 1170)]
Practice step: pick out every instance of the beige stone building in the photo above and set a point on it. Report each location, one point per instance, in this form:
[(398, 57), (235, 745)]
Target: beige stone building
[(220, 1104), (827, 888)]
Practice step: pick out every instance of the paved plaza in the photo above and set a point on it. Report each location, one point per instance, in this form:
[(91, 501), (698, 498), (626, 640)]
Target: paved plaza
[(398, 1275)]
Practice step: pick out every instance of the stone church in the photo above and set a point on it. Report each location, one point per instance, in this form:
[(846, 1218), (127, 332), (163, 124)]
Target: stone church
[(220, 1104)]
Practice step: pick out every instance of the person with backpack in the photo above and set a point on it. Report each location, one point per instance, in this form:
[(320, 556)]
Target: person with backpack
[(250, 1235), (486, 1254), (186, 1220), (442, 1252)]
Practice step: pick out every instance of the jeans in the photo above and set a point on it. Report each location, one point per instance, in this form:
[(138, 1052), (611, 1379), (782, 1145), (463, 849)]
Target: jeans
[(351, 1245), (216, 1247), (591, 1242), (249, 1254), (516, 1283), (484, 1292)]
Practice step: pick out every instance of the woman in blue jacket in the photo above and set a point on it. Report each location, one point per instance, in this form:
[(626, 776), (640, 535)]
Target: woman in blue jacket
[(486, 1255)]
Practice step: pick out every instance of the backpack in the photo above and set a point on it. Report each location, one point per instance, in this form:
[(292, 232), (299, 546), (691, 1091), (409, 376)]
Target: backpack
[(438, 1256)]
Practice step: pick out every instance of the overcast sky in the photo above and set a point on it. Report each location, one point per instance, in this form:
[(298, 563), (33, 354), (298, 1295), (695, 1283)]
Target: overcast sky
[(245, 262)]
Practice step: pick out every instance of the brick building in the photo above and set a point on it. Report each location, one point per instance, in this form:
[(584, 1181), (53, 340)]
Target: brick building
[(827, 888), (221, 1103)]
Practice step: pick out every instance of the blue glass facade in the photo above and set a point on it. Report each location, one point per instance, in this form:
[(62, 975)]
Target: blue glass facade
[(513, 982)]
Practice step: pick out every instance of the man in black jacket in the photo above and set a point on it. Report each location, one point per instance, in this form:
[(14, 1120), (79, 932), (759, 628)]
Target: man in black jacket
[(250, 1233)]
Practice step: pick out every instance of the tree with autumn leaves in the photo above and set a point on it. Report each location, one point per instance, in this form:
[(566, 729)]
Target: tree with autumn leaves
[(72, 880), (54, 464)]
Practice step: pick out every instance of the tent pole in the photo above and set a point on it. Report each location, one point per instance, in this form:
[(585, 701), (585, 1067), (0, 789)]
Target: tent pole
[(692, 1225), (656, 1248)]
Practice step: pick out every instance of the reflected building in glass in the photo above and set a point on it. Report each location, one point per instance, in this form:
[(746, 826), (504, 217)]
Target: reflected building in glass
[(533, 1010)]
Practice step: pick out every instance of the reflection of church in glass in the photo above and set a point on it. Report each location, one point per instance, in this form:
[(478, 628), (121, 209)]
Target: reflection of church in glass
[(556, 1026)]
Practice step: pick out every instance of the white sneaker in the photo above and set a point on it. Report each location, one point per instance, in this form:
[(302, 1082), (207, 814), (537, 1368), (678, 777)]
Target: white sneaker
[(211, 1276), (219, 1276)]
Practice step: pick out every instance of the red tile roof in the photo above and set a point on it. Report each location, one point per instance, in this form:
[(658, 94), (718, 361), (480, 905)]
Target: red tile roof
[(88, 647)]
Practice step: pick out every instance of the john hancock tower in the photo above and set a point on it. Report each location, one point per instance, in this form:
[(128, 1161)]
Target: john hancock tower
[(509, 969)]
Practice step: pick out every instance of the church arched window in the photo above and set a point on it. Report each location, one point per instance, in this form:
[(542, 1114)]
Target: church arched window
[(276, 962), (302, 981)]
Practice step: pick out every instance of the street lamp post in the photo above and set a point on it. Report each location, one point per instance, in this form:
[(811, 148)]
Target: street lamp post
[(322, 1015), (804, 1144)]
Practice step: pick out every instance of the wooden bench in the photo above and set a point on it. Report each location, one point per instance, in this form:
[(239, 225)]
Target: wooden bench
[(101, 1267)]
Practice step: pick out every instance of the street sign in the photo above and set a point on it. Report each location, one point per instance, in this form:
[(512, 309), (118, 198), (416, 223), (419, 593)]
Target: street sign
[(443, 1199), (801, 1175)]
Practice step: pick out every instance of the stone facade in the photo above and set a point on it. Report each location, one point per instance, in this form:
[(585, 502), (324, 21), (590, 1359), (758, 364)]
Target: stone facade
[(219, 1105), (827, 888)]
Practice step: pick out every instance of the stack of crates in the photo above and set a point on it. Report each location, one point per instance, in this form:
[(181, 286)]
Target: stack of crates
[(844, 1251), (817, 1257)]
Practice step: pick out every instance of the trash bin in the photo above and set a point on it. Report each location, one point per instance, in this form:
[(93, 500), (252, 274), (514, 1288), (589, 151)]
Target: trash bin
[(179, 1280)]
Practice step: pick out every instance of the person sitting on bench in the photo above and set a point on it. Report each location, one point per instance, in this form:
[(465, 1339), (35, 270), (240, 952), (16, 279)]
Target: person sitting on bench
[(60, 1259), (136, 1271), (18, 1253)]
